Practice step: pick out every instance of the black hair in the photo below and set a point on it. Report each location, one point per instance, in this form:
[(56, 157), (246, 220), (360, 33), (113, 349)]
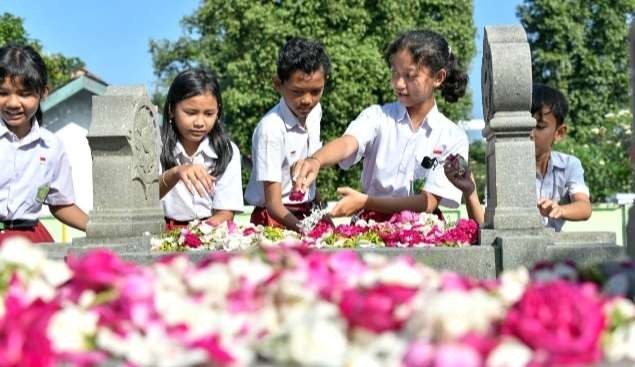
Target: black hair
[(191, 83), (21, 63), (546, 96), (430, 49), (304, 55)]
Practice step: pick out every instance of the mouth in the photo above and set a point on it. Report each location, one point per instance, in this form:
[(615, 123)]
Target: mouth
[(12, 115)]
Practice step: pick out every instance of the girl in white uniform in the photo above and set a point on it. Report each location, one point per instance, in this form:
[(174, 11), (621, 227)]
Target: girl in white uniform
[(34, 166), (394, 139), (200, 176)]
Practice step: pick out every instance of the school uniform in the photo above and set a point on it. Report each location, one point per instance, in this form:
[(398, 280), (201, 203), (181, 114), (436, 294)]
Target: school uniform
[(392, 152), (34, 171), (564, 178), (180, 206), (278, 141)]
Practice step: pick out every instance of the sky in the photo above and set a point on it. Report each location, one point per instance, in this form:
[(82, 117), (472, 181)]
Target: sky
[(112, 37)]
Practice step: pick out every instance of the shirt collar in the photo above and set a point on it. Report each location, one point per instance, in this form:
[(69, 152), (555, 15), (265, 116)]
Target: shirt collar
[(291, 121), (33, 135), (431, 120), (557, 160), (203, 148)]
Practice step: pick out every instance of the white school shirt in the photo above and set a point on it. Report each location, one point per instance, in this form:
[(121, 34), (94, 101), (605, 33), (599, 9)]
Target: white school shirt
[(563, 179), (278, 141), (180, 204), (37, 161), (393, 151)]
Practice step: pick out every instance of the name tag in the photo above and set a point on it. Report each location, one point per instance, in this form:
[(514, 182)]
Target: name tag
[(42, 193)]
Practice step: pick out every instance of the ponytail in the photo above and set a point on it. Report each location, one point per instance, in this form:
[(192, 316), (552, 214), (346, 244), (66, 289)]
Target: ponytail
[(455, 82)]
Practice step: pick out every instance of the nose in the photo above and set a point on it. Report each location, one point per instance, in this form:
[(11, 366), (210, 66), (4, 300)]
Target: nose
[(306, 100), (13, 101), (531, 134)]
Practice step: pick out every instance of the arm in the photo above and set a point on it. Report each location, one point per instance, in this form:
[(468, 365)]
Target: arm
[(195, 177), (304, 172), (474, 208), (579, 209), (353, 200), (277, 210), (221, 216), (459, 174), (70, 215)]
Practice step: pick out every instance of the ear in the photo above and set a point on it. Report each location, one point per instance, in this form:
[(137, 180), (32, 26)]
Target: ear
[(439, 77), (561, 132), (45, 93), (277, 83)]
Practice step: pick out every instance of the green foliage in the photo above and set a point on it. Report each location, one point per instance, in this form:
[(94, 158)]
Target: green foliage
[(59, 66), (581, 48), (240, 40)]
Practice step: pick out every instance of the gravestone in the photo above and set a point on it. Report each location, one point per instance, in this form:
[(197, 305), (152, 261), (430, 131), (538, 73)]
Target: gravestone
[(512, 222), (123, 141)]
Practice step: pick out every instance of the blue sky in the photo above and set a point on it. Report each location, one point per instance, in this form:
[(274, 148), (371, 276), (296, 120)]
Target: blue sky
[(112, 36)]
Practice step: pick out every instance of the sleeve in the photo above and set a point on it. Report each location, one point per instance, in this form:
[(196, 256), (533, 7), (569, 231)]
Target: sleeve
[(268, 153), (61, 190), (228, 191), (437, 183), (575, 178), (364, 129)]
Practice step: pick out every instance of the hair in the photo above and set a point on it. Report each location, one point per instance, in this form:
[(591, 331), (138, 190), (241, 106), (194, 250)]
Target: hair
[(430, 49), (21, 63), (191, 83), (546, 96), (304, 55)]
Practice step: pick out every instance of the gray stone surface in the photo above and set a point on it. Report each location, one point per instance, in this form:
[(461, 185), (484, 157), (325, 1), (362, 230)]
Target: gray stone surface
[(123, 140)]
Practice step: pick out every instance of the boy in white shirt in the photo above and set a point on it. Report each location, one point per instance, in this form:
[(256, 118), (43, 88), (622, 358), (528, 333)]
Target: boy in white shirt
[(290, 131)]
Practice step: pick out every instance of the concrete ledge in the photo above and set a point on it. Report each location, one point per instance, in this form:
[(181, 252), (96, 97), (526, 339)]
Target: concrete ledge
[(585, 254)]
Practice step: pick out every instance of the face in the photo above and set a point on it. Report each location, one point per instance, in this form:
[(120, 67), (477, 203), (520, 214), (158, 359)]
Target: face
[(546, 131), (18, 106), (413, 84), (194, 118), (301, 92)]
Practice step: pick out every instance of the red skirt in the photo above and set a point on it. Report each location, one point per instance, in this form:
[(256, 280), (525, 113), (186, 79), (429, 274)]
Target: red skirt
[(37, 234), (384, 217), (261, 216)]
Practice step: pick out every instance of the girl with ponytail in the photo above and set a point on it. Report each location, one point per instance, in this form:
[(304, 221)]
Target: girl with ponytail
[(403, 141)]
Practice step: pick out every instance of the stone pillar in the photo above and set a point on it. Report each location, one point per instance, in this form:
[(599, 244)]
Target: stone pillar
[(123, 142), (630, 227), (512, 221)]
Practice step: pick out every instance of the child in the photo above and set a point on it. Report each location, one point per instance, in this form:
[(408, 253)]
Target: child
[(35, 169), (560, 188), (288, 132), (394, 139), (200, 176)]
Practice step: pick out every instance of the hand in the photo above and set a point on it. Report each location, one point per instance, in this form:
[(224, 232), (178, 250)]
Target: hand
[(350, 203), (458, 173), (304, 172), (196, 178), (550, 208)]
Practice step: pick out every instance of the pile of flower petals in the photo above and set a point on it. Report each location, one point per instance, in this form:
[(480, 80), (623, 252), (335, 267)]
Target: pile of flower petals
[(293, 306), (405, 229)]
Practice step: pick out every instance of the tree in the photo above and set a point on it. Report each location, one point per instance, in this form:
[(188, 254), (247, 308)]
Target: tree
[(581, 48), (240, 40), (59, 66)]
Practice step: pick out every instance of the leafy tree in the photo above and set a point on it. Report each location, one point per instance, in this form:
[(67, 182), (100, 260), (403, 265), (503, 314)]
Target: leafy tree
[(240, 40), (59, 66), (581, 48)]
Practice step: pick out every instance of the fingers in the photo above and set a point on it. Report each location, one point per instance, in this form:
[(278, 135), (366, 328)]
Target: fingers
[(344, 191), (196, 179), (303, 173)]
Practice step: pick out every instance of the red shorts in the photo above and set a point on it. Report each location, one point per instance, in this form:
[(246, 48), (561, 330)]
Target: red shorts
[(171, 224), (36, 234), (261, 216)]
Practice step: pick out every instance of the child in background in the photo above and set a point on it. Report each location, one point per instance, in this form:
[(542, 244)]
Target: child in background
[(394, 139), (560, 188), (35, 168), (290, 131), (200, 176)]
